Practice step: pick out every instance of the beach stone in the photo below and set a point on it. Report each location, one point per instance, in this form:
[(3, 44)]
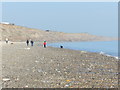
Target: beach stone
[(67, 85), (26, 86), (6, 79), (36, 61)]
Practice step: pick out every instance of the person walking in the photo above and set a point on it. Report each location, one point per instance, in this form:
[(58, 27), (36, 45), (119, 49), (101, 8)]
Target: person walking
[(27, 42), (44, 44), (6, 40), (32, 43)]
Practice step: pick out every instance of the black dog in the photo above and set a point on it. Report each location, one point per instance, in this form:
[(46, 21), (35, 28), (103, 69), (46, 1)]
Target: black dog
[(61, 46)]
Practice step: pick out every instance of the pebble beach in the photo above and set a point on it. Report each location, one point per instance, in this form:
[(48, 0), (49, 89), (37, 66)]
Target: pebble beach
[(37, 67)]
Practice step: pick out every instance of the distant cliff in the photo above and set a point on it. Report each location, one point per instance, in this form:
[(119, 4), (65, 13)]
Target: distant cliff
[(19, 33)]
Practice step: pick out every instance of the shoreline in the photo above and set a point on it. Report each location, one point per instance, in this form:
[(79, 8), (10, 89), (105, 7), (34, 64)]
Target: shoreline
[(3, 42), (101, 52)]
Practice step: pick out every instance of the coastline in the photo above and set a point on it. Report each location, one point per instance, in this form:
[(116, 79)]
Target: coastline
[(55, 44), (40, 43), (28, 67)]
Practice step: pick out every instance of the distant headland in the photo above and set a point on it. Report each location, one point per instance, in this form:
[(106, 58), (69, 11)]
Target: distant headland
[(20, 33)]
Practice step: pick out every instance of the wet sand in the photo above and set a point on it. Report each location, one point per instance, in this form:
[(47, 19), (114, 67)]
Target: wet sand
[(37, 67)]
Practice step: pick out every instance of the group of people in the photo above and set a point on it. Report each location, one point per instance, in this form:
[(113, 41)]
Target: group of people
[(32, 43)]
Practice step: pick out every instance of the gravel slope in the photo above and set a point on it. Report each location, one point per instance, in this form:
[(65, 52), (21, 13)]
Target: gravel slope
[(50, 67)]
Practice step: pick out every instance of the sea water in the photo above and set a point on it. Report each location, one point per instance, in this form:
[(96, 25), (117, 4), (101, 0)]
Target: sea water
[(104, 47)]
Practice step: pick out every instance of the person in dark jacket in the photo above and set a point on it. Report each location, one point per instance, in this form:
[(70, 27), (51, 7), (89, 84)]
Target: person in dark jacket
[(32, 43), (27, 42)]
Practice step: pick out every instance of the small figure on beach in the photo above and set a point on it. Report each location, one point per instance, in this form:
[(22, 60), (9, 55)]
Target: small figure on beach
[(6, 40), (61, 46), (32, 43), (44, 44), (27, 42)]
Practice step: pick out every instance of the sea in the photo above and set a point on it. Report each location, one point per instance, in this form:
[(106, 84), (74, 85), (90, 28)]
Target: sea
[(109, 48)]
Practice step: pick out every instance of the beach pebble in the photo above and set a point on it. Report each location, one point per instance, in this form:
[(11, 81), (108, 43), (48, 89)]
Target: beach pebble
[(27, 48), (116, 57), (27, 69), (26, 86), (39, 70), (36, 80), (16, 79), (68, 80), (67, 85), (6, 79), (36, 61)]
